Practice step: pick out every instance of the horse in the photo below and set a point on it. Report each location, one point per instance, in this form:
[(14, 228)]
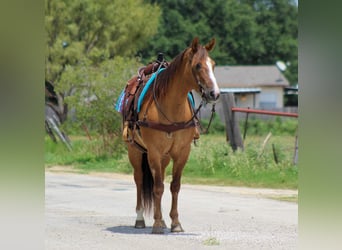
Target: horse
[(166, 128)]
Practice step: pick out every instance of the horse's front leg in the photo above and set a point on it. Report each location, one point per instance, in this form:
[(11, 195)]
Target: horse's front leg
[(175, 187), (158, 190), (177, 170)]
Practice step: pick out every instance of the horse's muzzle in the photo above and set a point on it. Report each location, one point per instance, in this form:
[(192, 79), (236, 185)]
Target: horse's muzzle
[(214, 96), (211, 96)]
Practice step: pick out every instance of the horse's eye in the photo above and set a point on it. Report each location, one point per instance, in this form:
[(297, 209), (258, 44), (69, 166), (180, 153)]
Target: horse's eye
[(198, 66)]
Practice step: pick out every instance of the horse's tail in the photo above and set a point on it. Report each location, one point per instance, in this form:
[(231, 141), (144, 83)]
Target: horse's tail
[(147, 187)]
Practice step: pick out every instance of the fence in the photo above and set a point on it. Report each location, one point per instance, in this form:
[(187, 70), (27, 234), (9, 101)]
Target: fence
[(206, 112), (232, 121)]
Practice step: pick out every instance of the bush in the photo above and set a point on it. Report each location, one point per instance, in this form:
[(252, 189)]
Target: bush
[(277, 126), (95, 90)]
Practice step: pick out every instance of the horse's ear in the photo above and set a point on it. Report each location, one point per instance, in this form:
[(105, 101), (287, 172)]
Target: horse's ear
[(195, 44), (210, 45)]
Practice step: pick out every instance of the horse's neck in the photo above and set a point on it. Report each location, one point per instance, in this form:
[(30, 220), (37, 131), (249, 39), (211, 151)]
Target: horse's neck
[(175, 103)]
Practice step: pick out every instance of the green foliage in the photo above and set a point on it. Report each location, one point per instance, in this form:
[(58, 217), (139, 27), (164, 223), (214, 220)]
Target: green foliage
[(94, 92), (89, 56), (94, 30), (277, 126), (248, 32)]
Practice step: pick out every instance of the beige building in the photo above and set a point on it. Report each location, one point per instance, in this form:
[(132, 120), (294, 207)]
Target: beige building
[(259, 87), (253, 86)]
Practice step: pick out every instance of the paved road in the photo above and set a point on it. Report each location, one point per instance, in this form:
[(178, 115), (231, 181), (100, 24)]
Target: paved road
[(98, 212)]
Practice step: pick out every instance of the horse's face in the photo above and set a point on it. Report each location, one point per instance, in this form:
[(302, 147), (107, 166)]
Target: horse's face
[(203, 70)]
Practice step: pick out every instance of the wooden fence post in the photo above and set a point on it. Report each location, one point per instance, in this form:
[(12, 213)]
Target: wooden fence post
[(233, 134), (295, 156)]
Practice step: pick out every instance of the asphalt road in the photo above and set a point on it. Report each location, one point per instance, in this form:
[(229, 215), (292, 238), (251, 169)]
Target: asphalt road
[(98, 212)]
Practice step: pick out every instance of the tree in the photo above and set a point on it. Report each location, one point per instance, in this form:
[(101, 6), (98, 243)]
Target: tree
[(90, 47), (248, 32), (278, 22), (95, 95), (97, 30)]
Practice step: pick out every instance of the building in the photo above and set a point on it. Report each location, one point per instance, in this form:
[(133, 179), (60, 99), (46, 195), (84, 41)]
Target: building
[(259, 87), (253, 86)]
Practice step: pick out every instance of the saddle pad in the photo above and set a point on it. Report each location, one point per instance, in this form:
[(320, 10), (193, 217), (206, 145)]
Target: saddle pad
[(146, 87), (119, 104)]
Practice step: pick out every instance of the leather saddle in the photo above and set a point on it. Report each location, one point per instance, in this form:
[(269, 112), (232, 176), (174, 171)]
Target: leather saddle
[(131, 94)]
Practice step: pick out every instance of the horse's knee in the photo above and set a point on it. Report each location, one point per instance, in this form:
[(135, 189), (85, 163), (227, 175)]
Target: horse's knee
[(158, 189), (175, 186)]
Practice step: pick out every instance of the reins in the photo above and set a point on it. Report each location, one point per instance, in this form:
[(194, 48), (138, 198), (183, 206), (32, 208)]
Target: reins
[(173, 126), (210, 120), (168, 128)]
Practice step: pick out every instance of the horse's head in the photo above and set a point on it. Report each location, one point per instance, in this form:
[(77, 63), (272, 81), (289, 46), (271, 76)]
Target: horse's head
[(203, 70)]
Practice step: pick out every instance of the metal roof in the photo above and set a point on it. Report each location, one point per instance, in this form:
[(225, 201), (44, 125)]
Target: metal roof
[(240, 90), (249, 76)]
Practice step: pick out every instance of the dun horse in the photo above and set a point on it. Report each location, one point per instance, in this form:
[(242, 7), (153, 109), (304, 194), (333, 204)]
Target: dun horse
[(165, 127)]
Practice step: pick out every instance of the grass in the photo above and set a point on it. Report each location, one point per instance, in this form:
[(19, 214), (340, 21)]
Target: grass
[(211, 162), (86, 156)]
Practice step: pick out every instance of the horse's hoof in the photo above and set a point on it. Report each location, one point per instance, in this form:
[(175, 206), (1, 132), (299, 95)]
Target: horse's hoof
[(176, 228), (139, 224), (163, 224), (157, 230)]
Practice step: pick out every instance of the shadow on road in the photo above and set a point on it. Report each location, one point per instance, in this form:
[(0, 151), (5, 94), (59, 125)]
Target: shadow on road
[(146, 230), (129, 230)]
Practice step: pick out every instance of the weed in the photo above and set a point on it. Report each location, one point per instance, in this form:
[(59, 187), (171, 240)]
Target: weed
[(211, 241)]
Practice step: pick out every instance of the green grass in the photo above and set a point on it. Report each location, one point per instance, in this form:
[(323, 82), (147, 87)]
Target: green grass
[(86, 156), (211, 162)]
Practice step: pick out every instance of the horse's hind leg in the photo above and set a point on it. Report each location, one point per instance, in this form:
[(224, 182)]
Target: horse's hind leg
[(135, 157)]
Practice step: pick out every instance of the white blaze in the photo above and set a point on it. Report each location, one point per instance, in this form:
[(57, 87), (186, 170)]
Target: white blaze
[(212, 77)]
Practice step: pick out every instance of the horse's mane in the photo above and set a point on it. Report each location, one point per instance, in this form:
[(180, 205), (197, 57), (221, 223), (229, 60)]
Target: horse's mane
[(165, 77)]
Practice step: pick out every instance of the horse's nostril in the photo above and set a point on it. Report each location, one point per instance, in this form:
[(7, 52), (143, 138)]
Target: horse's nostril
[(213, 95)]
